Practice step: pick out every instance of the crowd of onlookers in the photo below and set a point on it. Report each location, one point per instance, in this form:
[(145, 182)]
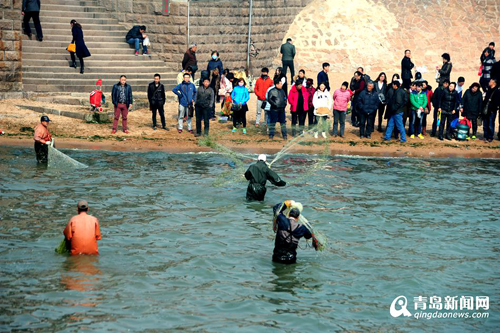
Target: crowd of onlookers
[(405, 101)]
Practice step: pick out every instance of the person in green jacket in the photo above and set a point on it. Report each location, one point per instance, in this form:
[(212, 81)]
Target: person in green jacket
[(287, 54), (418, 100), (257, 175)]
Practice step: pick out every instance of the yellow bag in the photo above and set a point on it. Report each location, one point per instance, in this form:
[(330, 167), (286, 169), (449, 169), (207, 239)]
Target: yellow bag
[(71, 47), (323, 111)]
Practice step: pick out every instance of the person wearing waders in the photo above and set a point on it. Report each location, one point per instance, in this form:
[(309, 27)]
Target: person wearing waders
[(288, 233), (258, 174), (43, 139)]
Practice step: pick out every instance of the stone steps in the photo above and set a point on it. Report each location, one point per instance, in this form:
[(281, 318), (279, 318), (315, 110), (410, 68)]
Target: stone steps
[(57, 45), (72, 15), (70, 2), (62, 70), (84, 21), (46, 64), (72, 7), (66, 38), (92, 76), (107, 60), (47, 32), (65, 27)]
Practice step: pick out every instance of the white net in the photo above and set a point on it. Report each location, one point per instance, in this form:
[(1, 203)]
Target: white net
[(58, 160)]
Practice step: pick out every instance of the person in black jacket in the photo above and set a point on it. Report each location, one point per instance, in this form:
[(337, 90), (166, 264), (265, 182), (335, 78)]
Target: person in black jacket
[(121, 95), (492, 103), (367, 105), (136, 36), (156, 97), (257, 175), (31, 9), (395, 112), (447, 106), (406, 67), (81, 49), (445, 70), (205, 103), (490, 49), (472, 106), (436, 97), (276, 97)]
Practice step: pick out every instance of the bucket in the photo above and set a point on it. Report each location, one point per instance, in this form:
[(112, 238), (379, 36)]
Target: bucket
[(462, 132)]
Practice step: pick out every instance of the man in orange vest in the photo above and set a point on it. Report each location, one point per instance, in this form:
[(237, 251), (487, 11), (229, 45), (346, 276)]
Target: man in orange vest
[(42, 140), (83, 231)]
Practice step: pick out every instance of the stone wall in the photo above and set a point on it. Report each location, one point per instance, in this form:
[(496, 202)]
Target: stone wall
[(220, 25), (375, 33), (10, 48)]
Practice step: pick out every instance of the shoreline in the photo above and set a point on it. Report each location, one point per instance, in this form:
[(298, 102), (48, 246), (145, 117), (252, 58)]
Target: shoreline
[(394, 150)]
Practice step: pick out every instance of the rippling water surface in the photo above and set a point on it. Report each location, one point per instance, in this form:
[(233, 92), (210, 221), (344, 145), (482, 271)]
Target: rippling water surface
[(178, 253)]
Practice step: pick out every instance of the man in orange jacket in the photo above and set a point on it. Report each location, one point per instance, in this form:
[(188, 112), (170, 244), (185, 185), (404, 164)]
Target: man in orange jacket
[(42, 140), (83, 231), (264, 82)]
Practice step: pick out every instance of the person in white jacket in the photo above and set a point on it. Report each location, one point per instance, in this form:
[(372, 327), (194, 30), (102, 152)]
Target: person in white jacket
[(322, 102)]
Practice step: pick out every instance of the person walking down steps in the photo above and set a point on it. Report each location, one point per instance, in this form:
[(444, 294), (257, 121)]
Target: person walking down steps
[(81, 49)]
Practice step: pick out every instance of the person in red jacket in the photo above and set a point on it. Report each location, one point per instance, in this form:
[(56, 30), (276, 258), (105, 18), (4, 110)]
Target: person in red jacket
[(264, 82), (299, 105), (428, 109)]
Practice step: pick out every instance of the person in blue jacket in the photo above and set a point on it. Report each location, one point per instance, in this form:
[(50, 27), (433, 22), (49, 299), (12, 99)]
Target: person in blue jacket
[(367, 105), (240, 97), (186, 92), (215, 62)]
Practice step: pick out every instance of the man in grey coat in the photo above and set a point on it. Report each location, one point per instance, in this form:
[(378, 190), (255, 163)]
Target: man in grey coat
[(287, 54), (31, 9)]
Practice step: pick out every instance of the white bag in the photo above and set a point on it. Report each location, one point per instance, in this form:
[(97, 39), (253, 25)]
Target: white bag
[(146, 42), (437, 76)]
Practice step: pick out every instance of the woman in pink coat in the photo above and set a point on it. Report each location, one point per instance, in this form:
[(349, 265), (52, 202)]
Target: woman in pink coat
[(299, 105), (341, 98)]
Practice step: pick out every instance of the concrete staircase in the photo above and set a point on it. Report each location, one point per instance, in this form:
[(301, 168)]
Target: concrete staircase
[(46, 64)]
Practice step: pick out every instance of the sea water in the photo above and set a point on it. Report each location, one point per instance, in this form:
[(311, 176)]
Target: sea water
[(178, 253)]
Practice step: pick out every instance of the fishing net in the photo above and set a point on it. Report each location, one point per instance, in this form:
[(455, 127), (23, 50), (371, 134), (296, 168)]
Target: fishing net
[(58, 160), (237, 162), (319, 239), (64, 247)]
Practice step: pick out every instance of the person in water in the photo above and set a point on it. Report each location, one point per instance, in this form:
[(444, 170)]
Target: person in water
[(288, 232), (258, 174), (83, 231), (43, 139)]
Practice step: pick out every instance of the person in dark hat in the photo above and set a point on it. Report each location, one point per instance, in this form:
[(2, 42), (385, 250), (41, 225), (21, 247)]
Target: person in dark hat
[(43, 139), (83, 231)]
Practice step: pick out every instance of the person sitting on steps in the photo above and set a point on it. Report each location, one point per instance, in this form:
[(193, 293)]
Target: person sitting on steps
[(136, 36)]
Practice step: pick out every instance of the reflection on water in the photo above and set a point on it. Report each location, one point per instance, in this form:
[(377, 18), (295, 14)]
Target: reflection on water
[(180, 254)]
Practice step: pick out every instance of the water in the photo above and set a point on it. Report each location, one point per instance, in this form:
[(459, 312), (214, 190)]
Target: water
[(180, 254)]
